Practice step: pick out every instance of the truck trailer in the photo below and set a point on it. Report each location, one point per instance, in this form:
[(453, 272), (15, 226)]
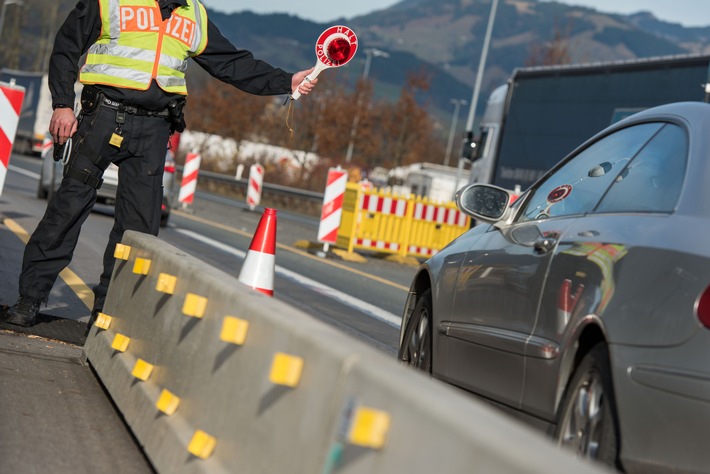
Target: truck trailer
[(543, 113)]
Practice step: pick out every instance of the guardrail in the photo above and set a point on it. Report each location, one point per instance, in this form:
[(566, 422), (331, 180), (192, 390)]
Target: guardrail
[(273, 195), (212, 376)]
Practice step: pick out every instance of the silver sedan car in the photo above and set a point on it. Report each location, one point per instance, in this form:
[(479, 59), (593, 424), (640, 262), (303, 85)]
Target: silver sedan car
[(584, 306)]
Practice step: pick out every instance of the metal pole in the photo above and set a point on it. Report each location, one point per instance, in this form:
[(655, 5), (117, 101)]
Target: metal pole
[(2, 17), (454, 121), (2, 12), (481, 66), (477, 86)]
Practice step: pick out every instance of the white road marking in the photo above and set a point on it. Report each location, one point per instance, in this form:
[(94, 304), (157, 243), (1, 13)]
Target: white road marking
[(362, 306), (31, 174)]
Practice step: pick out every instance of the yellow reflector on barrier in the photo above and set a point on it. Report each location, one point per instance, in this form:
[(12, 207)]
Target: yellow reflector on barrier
[(168, 402), (121, 252), (141, 266), (202, 445), (166, 283), (194, 305), (286, 370), (369, 428), (142, 370), (103, 321), (120, 342), (234, 330)]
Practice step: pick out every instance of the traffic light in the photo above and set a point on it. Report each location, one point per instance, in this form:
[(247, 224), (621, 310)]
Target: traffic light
[(469, 151)]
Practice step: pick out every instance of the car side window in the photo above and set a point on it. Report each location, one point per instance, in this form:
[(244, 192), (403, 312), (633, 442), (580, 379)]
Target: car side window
[(652, 181), (578, 185)]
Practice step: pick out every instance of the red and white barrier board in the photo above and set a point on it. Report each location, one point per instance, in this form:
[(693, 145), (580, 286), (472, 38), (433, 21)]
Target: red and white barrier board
[(394, 206), (440, 215), (332, 211), (11, 97), (256, 183), (189, 179)]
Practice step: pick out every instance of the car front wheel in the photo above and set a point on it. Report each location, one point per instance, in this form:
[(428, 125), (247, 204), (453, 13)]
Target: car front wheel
[(417, 341), (587, 422)]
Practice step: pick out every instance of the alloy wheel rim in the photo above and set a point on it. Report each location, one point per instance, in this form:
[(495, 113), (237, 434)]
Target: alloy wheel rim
[(582, 427), (418, 346)]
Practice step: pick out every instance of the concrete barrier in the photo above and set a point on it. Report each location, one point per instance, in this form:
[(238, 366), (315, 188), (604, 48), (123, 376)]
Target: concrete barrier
[(212, 376)]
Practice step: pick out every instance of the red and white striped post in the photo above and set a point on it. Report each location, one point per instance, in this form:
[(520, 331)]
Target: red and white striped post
[(11, 97), (256, 183), (173, 144), (47, 146), (332, 211), (189, 179)]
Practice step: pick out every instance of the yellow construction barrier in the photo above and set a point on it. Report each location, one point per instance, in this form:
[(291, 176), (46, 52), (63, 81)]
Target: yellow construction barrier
[(378, 221)]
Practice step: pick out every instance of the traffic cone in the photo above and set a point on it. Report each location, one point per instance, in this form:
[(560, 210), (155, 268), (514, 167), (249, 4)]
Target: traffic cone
[(258, 268)]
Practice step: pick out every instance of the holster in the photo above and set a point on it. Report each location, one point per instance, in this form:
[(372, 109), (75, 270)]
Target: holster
[(90, 99), (176, 115)]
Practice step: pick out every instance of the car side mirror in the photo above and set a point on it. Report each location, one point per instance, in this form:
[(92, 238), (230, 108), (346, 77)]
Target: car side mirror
[(483, 201)]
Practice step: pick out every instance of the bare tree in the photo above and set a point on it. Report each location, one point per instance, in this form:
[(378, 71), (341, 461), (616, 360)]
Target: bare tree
[(553, 52)]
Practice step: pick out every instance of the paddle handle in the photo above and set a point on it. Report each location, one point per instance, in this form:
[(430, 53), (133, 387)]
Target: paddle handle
[(319, 67)]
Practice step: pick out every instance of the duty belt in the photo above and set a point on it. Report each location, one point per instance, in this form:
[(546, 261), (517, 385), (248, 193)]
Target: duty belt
[(130, 109)]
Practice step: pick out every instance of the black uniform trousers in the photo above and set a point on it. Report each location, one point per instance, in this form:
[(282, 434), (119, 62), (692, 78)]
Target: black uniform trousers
[(140, 160)]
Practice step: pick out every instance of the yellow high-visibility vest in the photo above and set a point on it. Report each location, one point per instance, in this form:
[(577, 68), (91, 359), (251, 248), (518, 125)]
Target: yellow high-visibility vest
[(136, 46)]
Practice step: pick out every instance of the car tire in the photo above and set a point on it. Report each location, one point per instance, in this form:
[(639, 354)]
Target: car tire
[(587, 422), (164, 213), (416, 345)]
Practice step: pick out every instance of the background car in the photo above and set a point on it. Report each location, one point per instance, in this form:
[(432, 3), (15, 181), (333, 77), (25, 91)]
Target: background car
[(51, 174), (584, 306)]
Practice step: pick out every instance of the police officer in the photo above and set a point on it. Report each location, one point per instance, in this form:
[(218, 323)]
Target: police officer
[(132, 100)]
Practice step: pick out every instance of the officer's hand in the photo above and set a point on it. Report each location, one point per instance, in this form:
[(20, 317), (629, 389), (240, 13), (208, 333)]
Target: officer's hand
[(63, 125), (307, 86)]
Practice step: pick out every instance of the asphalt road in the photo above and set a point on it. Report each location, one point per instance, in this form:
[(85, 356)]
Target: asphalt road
[(363, 299)]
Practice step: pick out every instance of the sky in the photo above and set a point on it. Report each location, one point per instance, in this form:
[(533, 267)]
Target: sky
[(686, 12)]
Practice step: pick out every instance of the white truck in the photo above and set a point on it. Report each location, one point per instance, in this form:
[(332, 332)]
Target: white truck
[(36, 109), (433, 181)]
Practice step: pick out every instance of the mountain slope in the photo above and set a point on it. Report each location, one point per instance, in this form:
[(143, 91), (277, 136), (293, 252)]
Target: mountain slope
[(444, 38)]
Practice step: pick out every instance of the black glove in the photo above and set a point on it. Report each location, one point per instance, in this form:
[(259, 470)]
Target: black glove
[(58, 151)]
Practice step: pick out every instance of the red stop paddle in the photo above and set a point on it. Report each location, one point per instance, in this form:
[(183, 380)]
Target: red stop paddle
[(335, 47)]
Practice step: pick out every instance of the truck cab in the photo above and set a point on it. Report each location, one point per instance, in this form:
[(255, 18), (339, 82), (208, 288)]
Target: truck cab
[(491, 127)]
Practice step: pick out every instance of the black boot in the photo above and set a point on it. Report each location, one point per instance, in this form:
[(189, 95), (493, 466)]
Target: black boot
[(24, 313), (92, 319)]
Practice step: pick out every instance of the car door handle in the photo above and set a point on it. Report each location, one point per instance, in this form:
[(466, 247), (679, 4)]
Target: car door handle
[(544, 244)]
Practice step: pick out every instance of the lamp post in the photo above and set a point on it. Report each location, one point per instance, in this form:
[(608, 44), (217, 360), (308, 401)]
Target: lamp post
[(369, 54), (454, 121), (477, 85), (2, 11)]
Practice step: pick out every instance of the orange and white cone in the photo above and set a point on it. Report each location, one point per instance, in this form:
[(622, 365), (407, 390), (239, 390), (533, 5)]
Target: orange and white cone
[(258, 268)]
